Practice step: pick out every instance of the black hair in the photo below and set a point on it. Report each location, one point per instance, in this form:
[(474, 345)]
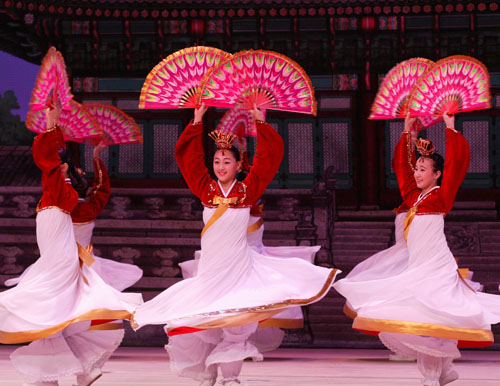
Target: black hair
[(80, 184), (235, 151), (438, 164)]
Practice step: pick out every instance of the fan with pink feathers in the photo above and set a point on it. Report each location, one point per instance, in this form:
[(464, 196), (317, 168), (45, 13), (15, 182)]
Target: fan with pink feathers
[(175, 81), (240, 122), (454, 84), (395, 91), (77, 124), (263, 78), (117, 127), (51, 85)]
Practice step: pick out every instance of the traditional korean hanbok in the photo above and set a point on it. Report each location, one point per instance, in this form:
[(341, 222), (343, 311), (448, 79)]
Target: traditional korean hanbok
[(426, 308), (235, 287), (61, 294), (269, 334), (118, 275)]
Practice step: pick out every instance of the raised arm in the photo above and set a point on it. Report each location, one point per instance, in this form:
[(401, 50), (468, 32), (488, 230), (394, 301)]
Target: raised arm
[(455, 166), (404, 168), (46, 156), (266, 162), (101, 190), (190, 157)]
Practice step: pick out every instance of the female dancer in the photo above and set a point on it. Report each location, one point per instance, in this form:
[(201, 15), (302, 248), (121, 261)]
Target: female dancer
[(89, 206), (118, 275), (427, 308), (268, 335), (59, 296), (235, 287)]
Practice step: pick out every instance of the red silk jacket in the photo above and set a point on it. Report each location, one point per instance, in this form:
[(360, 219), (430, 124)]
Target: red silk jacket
[(56, 192), (189, 153), (439, 201), (88, 210)]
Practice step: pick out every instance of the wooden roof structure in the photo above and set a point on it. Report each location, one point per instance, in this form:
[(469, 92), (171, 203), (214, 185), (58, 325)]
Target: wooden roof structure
[(126, 38)]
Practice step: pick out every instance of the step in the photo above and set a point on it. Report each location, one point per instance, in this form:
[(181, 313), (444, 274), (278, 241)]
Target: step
[(350, 238), (364, 224)]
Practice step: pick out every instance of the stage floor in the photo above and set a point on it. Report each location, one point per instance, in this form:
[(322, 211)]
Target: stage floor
[(284, 367)]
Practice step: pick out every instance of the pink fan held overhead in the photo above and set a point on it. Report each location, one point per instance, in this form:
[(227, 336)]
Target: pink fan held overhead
[(51, 83), (174, 82), (394, 92), (117, 127), (265, 78), (77, 125), (454, 84), (240, 122)]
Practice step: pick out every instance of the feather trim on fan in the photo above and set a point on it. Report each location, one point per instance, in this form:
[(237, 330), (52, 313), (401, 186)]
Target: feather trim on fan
[(117, 127), (454, 84), (265, 78), (77, 125), (175, 81)]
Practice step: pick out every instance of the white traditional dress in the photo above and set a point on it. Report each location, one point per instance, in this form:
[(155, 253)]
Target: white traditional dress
[(118, 275), (424, 309), (60, 295), (235, 287), (269, 334)]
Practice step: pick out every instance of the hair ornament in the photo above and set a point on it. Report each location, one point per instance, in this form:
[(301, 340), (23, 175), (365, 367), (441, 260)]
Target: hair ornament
[(223, 139), (425, 147)]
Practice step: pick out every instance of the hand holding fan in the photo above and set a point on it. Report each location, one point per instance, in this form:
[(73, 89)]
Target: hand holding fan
[(239, 122), (265, 78), (77, 125), (174, 82), (51, 82), (117, 127), (454, 84)]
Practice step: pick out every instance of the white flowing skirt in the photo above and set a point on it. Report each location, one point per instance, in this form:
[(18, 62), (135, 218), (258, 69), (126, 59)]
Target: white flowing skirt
[(234, 284), (76, 350), (58, 290), (427, 296), (118, 275)]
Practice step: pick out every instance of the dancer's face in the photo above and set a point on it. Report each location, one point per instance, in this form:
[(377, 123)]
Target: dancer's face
[(425, 176), (225, 166)]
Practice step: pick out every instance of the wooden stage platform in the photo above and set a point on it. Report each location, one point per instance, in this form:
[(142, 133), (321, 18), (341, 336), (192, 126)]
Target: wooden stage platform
[(284, 367)]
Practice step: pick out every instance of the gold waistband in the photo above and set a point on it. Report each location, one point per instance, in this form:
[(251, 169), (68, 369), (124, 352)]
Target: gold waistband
[(38, 210), (225, 200)]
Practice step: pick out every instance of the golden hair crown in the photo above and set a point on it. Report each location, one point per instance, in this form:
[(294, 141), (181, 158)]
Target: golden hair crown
[(425, 147), (223, 139)]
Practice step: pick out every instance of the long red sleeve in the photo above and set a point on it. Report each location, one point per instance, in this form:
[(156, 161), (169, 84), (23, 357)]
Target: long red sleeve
[(455, 167), (402, 164), (245, 162), (56, 192), (91, 208), (412, 159), (190, 157), (266, 162)]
